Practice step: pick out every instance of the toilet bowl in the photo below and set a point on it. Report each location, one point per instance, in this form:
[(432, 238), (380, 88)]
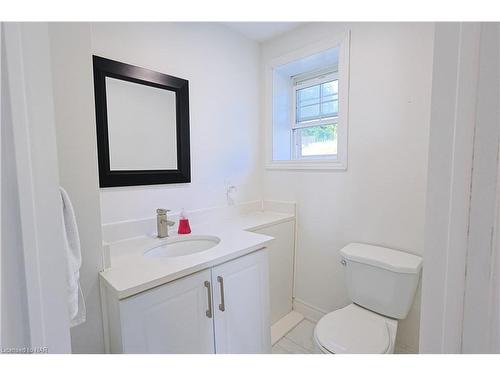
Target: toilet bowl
[(381, 283), (355, 330)]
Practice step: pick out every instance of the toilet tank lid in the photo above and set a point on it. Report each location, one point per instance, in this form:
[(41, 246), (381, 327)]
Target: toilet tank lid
[(383, 257)]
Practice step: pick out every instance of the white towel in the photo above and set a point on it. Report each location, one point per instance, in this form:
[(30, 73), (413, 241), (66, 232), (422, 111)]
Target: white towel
[(76, 303)]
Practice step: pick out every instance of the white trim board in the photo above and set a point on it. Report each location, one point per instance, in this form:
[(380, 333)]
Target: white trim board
[(1, 187), (495, 280), (478, 304), (309, 312), (30, 88), (456, 62), (461, 179), (285, 325)]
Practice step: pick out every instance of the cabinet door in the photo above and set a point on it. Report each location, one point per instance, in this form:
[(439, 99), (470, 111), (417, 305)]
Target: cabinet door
[(241, 305), (172, 318)]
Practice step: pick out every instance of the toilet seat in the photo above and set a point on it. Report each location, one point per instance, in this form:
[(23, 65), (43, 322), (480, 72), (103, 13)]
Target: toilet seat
[(354, 329)]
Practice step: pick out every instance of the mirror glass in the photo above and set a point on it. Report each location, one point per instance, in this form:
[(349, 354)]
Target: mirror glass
[(141, 126)]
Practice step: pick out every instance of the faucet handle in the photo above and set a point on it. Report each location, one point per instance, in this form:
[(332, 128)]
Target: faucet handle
[(162, 211)]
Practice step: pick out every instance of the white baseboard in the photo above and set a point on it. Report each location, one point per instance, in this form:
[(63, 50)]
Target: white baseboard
[(285, 325), (309, 312)]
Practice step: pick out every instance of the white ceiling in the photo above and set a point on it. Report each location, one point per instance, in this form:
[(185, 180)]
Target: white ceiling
[(262, 31)]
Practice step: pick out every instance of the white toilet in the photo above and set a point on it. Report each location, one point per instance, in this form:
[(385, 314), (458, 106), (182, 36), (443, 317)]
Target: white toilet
[(381, 283)]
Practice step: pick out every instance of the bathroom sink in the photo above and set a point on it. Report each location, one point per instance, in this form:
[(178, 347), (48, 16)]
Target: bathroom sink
[(184, 245)]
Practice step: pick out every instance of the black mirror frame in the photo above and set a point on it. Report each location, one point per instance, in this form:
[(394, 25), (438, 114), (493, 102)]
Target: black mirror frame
[(107, 178)]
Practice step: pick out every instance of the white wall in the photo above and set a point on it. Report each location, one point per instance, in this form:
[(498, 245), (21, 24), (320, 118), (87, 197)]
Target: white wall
[(380, 199), (78, 174), (222, 69)]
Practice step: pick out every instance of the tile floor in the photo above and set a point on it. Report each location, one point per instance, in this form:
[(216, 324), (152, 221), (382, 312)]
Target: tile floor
[(298, 341)]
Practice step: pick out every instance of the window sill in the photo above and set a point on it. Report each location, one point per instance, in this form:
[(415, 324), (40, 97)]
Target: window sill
[(307, 165)]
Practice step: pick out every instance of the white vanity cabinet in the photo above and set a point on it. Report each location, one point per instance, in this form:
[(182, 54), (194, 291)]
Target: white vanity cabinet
[(224, 309)]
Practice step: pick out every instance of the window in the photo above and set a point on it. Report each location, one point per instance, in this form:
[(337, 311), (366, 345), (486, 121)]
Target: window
[(307, 116), (316, 104)]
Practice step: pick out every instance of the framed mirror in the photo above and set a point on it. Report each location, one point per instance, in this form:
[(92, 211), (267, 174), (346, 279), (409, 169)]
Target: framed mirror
[(142, 119)]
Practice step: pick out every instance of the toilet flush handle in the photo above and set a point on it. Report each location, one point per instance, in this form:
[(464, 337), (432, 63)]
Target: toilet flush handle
[(343, 262)]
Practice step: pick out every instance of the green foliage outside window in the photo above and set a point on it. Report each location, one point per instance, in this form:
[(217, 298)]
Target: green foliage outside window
[(321, 133)]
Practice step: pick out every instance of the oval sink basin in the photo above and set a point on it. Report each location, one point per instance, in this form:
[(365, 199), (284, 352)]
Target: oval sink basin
[(181, 246)]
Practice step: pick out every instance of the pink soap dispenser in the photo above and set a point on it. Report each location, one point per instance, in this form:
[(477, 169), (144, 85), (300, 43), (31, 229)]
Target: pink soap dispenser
[(184, 227)]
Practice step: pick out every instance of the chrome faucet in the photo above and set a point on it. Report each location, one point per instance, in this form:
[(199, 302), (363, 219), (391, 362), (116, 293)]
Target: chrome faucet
[(162, 223)]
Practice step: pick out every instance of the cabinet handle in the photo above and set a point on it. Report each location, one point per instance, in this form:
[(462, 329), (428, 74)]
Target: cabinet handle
[(222, 305), (208, 313)]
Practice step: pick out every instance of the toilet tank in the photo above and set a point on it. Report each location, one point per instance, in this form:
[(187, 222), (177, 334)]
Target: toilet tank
[(381, 279)]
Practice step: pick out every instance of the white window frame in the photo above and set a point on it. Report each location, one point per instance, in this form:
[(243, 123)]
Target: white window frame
[(301, 82), (341, 41)]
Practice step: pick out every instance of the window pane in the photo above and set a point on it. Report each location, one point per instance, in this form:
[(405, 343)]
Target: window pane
[(317, 140), (316, 102), (330, 108), (330, 88), (308, 112), (307, 102), (329, 98), (308, 93)]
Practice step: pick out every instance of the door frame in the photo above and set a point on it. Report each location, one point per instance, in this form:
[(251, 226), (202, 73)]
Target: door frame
[(479, 280), (495, 277), (463, 149), (1, 186), (31, 97)]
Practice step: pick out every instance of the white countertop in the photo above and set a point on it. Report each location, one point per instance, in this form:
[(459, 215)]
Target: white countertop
[(131, 272)]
